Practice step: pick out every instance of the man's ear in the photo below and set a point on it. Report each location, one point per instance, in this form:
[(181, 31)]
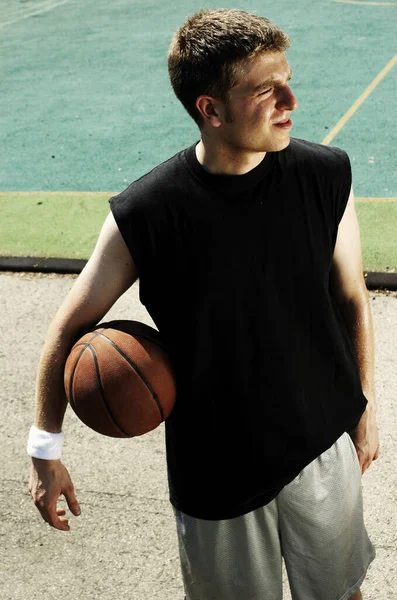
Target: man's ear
[(208, 108)]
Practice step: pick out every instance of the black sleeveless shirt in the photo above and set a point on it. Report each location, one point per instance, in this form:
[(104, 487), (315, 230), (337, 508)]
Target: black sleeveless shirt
[(234, 270)]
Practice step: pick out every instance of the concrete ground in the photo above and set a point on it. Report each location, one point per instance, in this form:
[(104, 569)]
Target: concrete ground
[(124, 545)]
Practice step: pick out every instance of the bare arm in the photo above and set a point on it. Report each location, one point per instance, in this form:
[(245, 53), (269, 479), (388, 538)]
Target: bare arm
[(349, 289), (107, 275)]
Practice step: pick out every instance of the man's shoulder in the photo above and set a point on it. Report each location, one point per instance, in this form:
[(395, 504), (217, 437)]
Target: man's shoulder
[(162, 178), (305, 152), (319, 169)]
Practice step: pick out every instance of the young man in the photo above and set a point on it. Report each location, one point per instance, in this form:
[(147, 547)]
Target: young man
[(248, 253)]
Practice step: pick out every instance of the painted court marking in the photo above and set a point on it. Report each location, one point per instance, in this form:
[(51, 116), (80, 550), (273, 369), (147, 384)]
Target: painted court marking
[(363, 3), (359, 101), (73, 193), (37, 10)]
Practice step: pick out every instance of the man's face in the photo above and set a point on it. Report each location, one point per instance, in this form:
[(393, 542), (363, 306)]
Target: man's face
[(256, 117)]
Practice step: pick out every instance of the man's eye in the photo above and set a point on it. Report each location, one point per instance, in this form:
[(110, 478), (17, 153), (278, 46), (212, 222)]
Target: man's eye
[(265, 92)]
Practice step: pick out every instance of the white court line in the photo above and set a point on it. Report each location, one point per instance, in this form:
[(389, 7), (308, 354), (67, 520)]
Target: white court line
[(16, 12), (44, 7), (363, 3)]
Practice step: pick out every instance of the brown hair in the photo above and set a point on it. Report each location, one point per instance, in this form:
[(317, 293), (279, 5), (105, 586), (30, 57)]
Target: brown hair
[(206, 52)]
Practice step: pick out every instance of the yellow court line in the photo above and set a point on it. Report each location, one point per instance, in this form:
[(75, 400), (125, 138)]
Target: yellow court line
[(359, 101), (366, 3)]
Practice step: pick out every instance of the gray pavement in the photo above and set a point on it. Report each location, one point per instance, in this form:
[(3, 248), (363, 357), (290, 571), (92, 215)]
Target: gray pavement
[(124, 545)]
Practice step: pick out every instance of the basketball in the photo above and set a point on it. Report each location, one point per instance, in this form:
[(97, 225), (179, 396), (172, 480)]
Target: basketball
[(119, 379)]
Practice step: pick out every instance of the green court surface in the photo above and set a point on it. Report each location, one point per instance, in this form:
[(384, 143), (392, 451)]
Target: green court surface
[(86, 107), (66, 225)]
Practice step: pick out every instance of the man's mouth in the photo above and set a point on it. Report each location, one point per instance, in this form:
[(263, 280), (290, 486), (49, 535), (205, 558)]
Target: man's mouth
[(284, 124)]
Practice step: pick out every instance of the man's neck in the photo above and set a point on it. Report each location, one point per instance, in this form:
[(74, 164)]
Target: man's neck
[(221, 160)]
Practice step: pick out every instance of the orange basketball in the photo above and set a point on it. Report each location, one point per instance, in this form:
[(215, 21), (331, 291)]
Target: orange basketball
[(119, 379)]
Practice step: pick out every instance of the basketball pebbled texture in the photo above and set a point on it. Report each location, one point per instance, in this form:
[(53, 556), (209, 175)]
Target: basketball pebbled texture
[(119, 379)]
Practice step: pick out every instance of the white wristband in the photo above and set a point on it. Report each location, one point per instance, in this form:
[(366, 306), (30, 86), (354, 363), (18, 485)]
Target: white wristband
[(45, 445)]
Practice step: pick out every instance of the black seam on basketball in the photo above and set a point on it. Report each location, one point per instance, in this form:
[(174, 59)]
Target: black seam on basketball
[(138, 371), (85, 345), (103, 392), (71, 395)]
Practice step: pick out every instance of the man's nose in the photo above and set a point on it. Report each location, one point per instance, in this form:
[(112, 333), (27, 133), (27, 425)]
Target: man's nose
[(286, 99)]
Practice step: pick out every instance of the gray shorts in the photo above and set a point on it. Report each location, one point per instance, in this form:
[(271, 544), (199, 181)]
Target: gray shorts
[(315, 524)]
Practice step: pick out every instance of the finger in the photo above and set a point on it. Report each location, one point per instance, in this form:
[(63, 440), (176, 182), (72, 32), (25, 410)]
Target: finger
[(365, 462), (371, 458), (51, 515), (63, 524), (364, 467), (55, 522), (58, 522), (71, 499), (361, 462)]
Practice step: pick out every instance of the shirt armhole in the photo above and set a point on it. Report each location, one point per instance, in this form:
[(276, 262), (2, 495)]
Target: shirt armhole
[(123, 218)]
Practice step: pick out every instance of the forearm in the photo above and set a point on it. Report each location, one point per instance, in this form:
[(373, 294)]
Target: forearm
[(349, 290), (51, 399), (358, 318)]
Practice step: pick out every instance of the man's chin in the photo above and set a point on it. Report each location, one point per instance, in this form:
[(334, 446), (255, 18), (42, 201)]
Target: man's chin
[(280, 145)]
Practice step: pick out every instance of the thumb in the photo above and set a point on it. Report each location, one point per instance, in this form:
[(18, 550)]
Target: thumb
[(71, 499)]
